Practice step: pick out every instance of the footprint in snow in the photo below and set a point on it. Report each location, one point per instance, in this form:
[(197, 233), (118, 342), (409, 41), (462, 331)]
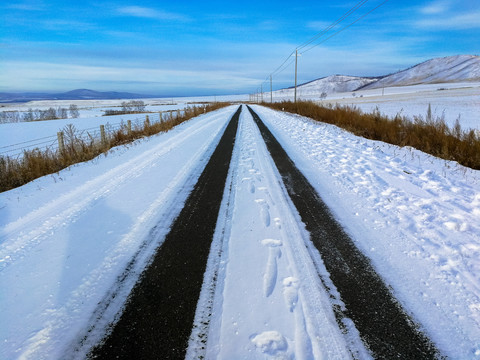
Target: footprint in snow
[(278, 222), (271, 271), (264, 189), (271, 343), (290, 292), (251, 184), (264, 211)]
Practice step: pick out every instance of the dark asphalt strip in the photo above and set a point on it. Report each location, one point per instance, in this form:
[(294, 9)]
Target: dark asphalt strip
[(387, 331), (158, 317)]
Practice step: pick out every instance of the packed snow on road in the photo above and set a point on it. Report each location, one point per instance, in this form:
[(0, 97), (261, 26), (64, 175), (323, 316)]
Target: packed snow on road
[(66, 239)]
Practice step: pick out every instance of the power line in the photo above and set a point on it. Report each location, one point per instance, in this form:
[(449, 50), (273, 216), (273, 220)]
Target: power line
[(346, 27), (277, 70), (290, 59), (331, 26)]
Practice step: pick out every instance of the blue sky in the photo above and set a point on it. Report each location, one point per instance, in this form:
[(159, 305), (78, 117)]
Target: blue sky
[(216, 47)]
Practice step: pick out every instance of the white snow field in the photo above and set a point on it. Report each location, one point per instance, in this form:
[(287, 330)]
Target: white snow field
[(19, 136), (65, 239)]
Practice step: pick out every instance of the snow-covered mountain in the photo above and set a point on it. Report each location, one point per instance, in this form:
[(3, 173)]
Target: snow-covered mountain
[(458, 68), (332, 84)]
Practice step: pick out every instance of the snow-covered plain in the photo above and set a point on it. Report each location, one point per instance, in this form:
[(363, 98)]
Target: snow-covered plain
[(16, 137), (94, 108), (65, 238)]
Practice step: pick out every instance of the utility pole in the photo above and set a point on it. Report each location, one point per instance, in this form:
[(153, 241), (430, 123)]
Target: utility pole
[(271, 94), (296, 55), (261, 92)]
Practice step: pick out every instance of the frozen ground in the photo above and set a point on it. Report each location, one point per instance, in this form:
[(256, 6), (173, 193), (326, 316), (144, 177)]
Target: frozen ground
[(65, 238)]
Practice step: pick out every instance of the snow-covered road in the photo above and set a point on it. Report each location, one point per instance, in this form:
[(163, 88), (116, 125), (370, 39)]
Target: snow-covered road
[(66, 238), (269, 300)]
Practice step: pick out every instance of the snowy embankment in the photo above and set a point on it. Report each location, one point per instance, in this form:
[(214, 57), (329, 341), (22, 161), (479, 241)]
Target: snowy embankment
[(65, 239), (415, 216)]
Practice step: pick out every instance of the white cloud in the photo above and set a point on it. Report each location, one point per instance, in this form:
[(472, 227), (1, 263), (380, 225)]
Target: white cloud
[(43, 76), (26, 6), (435, 8), (452, 22), (144, 12), (318, 25), (62, 24)]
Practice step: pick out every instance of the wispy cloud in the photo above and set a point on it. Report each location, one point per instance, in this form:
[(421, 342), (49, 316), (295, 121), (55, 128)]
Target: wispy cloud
[(26, 6), (147, 79), (435, 8), (462, 21), (61, 24), (150, 13), (318, 25)]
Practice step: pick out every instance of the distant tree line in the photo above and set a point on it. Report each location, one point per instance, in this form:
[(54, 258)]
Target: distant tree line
[(38, 114), (130, 107)]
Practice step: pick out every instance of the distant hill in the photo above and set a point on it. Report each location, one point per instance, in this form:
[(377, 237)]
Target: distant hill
[(79, 94), (460, 68), (332, 84)]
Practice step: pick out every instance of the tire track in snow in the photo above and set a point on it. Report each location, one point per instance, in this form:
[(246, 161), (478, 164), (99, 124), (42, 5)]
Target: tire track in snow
[(383, 325)]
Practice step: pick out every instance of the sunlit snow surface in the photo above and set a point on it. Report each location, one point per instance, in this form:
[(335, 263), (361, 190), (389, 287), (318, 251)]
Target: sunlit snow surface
[(65, 238)]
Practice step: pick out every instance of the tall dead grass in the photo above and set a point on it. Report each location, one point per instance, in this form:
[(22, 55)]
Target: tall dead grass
[(429, 135), (33, 164)]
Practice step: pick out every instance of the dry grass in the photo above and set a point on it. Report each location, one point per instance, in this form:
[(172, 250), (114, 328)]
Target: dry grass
[(16, 172), (429, 135)]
